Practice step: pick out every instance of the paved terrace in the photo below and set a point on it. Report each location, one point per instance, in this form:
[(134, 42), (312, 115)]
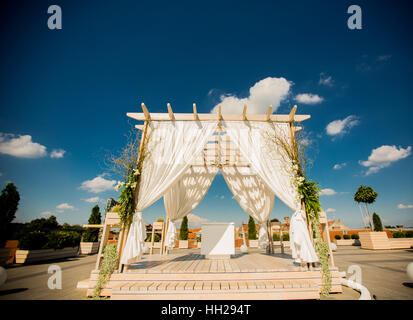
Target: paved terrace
[(383, 273)]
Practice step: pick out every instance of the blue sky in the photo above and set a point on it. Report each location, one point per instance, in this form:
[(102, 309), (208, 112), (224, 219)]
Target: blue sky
[(70, 90)]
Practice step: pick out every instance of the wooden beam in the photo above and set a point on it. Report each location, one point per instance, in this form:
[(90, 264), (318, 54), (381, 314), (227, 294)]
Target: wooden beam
[(244, 113), (292, 114), (219, 113), (269, 113), (145, 112), (195, 112), (139, 126), (170, 112), (225, 117), (93, 225)]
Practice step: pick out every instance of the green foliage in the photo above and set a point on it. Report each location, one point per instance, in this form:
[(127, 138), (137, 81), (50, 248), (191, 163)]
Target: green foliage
[(337, 237), (33, 240), (43, 224), (276, 237), (365, 194), (108, 265), (9, 201), (157, 237), (199, 237), (183, 231), (346, 237), (310, 193), (92, 234), (399, 234), (110, 203), (62, 239), (377, 222), (355, 236), (409, 234), (286, 237), (252, 230)]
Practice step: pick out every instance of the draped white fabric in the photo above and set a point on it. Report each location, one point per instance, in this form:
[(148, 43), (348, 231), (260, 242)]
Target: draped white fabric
[(265, 156), (172, 146), (302, 249), (185, 195), (253, 196)]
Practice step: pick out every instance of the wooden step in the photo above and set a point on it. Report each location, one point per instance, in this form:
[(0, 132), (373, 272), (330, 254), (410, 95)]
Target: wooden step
[(217, 290)]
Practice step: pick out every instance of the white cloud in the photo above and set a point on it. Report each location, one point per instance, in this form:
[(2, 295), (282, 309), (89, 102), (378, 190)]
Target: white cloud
[(384, 57), (402, 206), (57, 153), (222, 197), (308, 98), (46, 213), (339, 127), (195, 221), (92, 199), (327, 192), (325, 80), (21, 146), (339, 166), (98, 184), (64, 206), (383, 157), (330, 210), (266, 92)]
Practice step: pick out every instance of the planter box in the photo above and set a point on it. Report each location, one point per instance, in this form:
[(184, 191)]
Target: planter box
[(278, 243), (5, 254), (183, 244), (401, 243), (348, 242), (374, 240), (30, 256), (253, 243), (89, 247)]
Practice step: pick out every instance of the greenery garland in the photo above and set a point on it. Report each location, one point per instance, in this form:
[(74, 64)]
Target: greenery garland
[(308, 192), (108, 265)]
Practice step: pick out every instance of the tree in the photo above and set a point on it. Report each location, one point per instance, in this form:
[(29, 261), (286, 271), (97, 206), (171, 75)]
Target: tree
[(92, 234), (9, 201), (366, 195), (377, 222), (110, 203), (252, 231), (183, 231)]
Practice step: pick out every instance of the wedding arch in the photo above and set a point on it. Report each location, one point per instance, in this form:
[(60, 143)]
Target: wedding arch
[(180, 154)]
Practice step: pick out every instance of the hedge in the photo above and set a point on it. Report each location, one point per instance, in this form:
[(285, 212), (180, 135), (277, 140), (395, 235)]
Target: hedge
[(35, 240), (346, 237), (355, 236), (337, 237)]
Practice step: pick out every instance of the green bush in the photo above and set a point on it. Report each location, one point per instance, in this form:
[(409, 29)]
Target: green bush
[(276, 237), (346, 237), (337, 237), (183, 230), (409, 234), (33, 240), (378, 226), (157, 238), (355, 236), (92, 234), (63, 239), (399, 234), (286, 237)]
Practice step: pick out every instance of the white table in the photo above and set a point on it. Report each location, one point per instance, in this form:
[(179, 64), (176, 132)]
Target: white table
[(218, 240)]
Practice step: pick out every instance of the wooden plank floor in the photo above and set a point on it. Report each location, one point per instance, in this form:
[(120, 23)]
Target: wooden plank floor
[(196, 263)]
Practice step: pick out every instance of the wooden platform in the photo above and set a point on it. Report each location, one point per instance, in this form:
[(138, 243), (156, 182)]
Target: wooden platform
[(187, 275)]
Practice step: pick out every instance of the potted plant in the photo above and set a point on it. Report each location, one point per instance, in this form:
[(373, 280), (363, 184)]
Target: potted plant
[(252, 234), (183, 234), (198, 239), (89, 243)]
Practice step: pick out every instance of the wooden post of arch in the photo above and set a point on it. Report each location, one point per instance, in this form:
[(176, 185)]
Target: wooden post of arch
[(141, 146)]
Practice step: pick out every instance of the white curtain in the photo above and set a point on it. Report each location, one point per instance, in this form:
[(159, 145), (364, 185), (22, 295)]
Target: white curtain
[(302, 249), (265, 156), (185, 195), (171, 148), (253, 196)]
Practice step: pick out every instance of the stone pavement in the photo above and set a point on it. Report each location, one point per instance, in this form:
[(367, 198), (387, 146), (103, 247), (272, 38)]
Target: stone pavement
[(30, 281), (383, 271)]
